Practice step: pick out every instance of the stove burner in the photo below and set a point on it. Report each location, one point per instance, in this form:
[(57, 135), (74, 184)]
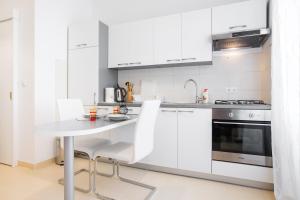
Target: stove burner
[(240, 102)]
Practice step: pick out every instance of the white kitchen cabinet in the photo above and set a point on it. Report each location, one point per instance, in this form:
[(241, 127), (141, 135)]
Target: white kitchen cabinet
[(196, 36), (242, 171), (131, 44), (164, 153), (119, 43), (194, 139), (85, 34), (246, 15), (141, 43), (167, 39), (83, 75)]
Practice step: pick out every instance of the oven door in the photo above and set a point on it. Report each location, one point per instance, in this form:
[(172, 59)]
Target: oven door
[(246, 142)]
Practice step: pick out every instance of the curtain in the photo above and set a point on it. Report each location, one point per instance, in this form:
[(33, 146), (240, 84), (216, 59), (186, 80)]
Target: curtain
[(286, 98)]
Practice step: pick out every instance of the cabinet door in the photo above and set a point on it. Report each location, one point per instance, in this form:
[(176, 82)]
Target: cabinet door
[(196, 36), (83, 73), (245, 15), (141, 43), (165, 140), (167, 39), (119, 44), (84, 35), (194, 139)]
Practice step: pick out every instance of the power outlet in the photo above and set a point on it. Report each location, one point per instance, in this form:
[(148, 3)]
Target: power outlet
[(231, 90)]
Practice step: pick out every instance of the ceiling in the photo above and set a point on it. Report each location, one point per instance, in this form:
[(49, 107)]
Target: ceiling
[(118, 11)]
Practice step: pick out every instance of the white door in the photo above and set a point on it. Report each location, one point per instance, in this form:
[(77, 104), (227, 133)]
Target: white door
[(194, 139), (244, 15), (119, 43), (167, 39), (165, 140), (141, 43), (6, 88), (83, 73), (196, 36)]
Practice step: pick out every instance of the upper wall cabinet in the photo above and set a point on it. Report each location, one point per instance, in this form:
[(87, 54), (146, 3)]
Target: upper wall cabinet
[(84, 35), (245, 15), (131, 44), (174, 39), (196, 36), (167, 39)]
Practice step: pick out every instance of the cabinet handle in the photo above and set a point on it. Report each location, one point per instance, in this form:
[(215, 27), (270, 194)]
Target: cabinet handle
[(173, 60), (122, 64), (173, 111), (238, 26), (135, 63), (186, 59), (186, 111), (81, 45)]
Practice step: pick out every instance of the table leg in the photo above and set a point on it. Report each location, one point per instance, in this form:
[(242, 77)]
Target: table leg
[(69, 168)]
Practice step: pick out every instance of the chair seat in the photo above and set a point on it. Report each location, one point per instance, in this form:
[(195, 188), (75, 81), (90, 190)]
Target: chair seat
[(90, 145), (121, 151)]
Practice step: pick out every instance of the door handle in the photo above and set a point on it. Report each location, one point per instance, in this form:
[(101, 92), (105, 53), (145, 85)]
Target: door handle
[(238, 26), (173, 111), (186, 59), (10, 96), (186, 111), (135, 63), (122, 64), (173, 60)]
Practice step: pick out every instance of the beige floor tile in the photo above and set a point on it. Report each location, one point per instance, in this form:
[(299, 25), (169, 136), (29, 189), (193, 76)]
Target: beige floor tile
[(25, 184)]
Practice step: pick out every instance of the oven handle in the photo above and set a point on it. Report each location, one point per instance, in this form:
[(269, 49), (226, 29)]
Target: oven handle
[(240, 123)]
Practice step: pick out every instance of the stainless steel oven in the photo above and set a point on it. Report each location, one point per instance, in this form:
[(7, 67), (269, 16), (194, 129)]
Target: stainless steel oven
[(242, 136)]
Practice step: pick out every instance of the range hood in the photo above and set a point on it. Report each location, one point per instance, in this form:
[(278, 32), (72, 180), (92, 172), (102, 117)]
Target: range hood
[(241, 39)]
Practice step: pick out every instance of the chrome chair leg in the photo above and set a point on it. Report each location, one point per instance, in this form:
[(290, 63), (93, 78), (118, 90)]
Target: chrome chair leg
[(104, 174), (99, 196), (116, 164), (150, 187), (89, 171)]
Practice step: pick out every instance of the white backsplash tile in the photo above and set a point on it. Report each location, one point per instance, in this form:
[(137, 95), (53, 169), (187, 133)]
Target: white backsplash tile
[(248, 73)]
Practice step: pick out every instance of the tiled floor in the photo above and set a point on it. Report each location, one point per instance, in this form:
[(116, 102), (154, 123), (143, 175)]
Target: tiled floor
[(24, 184)]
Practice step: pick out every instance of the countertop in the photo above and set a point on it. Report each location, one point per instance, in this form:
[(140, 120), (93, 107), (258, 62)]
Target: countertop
[(194, 105)]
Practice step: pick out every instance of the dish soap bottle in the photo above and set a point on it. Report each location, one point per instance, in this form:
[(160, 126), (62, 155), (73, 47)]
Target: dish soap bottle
[(205, 96)]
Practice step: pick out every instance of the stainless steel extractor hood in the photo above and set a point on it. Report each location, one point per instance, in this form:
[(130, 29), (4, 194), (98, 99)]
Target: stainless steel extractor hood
[(241, 39)]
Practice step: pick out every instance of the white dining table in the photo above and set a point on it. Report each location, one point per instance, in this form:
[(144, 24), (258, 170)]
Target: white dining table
[(70, 129)]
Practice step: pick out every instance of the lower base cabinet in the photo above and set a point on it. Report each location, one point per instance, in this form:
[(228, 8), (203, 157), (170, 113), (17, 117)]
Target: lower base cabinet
[(194, 140), (182, 140), (164, 153)]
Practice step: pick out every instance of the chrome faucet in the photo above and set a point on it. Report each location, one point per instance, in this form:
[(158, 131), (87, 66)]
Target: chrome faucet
[(197, 99)]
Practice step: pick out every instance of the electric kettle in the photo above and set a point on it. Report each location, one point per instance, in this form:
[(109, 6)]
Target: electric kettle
[(120, 94)]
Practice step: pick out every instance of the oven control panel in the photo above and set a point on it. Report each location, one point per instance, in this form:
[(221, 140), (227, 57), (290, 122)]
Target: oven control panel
[(237, 114)]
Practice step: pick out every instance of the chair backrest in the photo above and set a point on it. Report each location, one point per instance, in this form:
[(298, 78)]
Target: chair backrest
[(144, 130), (70, 109)]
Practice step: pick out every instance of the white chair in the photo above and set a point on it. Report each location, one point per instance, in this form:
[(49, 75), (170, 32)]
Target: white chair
[(142, 146), (71, 109)]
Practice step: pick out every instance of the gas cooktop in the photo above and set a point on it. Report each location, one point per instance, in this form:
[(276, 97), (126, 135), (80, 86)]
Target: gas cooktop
[(240, 102)]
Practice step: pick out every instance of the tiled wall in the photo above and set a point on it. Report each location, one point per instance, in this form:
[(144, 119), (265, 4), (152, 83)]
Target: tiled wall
[(247, 71)]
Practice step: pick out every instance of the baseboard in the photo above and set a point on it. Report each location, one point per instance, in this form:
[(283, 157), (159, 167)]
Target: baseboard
[(39, 165)]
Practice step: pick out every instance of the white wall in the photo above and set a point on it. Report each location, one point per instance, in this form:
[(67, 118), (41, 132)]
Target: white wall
[(248, 71), (25, 74), (51, 20)]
